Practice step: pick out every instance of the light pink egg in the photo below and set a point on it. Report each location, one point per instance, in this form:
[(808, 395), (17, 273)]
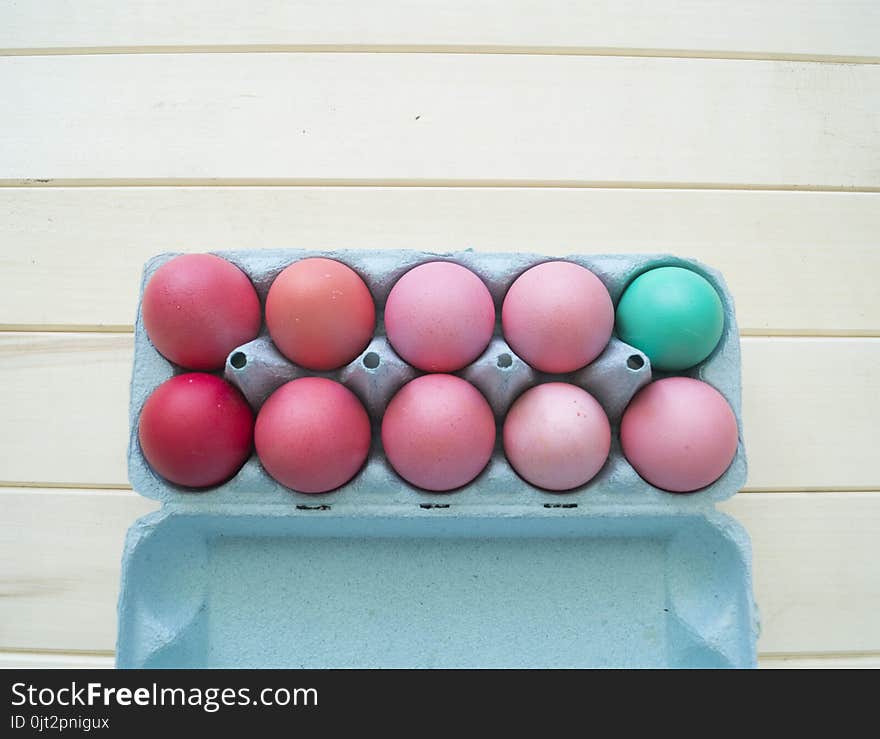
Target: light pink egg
[(557, 436), (439, 317), (438, 432), (557, 316), (679, 434)]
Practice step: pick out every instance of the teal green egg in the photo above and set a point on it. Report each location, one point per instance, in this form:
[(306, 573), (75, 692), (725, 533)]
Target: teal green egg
[(673, 315)]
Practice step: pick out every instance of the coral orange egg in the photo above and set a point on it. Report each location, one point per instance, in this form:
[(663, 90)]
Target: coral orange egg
[(320, 313)]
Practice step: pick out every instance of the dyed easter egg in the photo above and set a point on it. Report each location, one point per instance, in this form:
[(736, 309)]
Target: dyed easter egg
[(312, 435), (673, 315), (439, 317), (196, 430), (557, 316), (320, 313), (557, 436), (438, 432), (197, 308), (679, 434)]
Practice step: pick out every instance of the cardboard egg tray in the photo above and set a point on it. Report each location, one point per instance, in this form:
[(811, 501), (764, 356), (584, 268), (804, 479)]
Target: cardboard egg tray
[(379, 573)]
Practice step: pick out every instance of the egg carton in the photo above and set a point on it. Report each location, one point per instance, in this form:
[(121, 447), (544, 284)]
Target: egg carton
[(257, 368), (626, 574)]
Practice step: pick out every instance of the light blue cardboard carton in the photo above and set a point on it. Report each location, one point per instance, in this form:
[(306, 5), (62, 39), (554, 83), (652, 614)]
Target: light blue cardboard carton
[(380, 574)]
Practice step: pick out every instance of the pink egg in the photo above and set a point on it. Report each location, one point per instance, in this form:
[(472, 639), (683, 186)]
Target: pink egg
[(312, 435), (557, 316), (438, 432), (679, 434), (439, 317), (557, 436)]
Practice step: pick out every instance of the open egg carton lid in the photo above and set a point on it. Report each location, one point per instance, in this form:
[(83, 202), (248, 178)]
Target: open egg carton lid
[(257, 368)]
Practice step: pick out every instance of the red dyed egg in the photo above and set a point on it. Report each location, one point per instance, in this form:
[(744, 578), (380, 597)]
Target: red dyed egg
[(312, 435), (197, 308), (679, 434), (196, 430), (320, 313), (439, 316), (438, 432)]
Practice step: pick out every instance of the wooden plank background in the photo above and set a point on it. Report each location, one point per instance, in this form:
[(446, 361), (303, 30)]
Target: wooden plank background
[(730, 132)]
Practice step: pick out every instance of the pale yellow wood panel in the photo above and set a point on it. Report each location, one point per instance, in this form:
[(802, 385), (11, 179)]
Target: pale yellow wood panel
[(55, 661), (64, 402), (73, 256), (60, 549), (65, 398), (376, 118), (60, 552), (810, 410), (848, 28), (816, 579), (836, 662)]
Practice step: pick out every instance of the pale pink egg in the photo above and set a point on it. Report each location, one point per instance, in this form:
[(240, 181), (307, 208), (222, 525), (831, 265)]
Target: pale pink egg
[(312, 435), (679, 434), (557, 316), (439, 317), (557, 436), (438, 432)]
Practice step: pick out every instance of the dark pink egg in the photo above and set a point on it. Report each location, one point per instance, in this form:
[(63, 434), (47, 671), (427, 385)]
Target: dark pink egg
[(679, 434), (438, 432), (312, 435), (196, 430), (320, 313), (197, 308), (557, 316), (557, 436), (439, 317)]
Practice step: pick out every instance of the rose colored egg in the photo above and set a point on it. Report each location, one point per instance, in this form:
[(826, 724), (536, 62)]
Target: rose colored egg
[(196, 430), (320, 313), (557, 436), (438, 432), (679, 434), (312, 435), (557, 316), (439, 317), (197, 308)]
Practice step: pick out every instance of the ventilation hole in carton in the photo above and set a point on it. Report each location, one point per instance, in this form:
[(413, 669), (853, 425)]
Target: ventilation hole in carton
[(238, 360), (323, 507), (635, 361), (560, 505), (504, 361), (429, 506), (371, 360)]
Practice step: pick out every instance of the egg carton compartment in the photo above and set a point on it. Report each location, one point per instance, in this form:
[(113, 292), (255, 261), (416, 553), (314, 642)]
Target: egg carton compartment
[(258, 368), (441, 590)]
